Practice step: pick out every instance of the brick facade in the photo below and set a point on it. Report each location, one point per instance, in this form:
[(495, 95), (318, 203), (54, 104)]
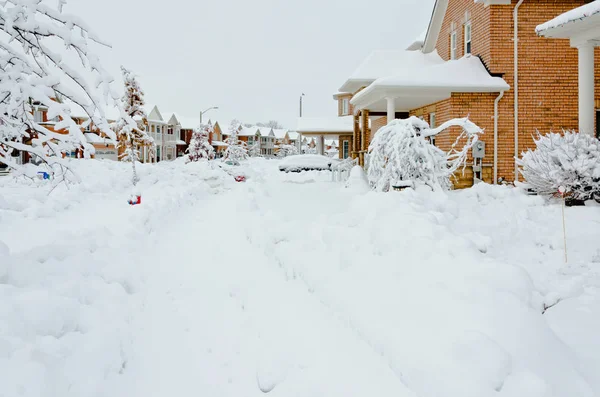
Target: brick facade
[(548, 69), (341, 99)]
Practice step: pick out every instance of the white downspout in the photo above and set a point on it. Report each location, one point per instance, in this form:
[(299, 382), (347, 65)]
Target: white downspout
[(516, 83), (496, 136)]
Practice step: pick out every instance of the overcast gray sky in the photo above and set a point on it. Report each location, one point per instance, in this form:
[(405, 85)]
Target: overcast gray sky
[(252, 58)]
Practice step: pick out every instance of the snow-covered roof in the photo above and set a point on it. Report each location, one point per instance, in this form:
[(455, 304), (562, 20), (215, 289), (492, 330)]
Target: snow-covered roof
[(219, 143), (248, 131), (280, 133), (432, 78), (559, 26), (417, 44), (293, 135), (381, 63), (325, 124), (339, 94), (95, 138), (180, 142), (266, 131)]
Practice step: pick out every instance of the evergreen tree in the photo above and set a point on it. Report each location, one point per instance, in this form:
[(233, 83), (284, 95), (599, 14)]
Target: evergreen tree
[(199, 147), (131, 132), (236, 149)]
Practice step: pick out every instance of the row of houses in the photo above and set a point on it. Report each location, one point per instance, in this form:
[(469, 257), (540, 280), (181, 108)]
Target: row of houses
[(514, 67), (172, 134)]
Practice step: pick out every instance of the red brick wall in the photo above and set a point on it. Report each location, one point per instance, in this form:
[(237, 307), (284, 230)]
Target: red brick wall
[(350, 107), (547, 73)]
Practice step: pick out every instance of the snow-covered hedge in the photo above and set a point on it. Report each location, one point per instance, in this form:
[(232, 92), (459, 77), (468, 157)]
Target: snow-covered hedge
[(570, 159), (401, 152)]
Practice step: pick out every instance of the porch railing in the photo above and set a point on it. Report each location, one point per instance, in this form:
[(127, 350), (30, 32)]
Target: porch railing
[(340, 172)]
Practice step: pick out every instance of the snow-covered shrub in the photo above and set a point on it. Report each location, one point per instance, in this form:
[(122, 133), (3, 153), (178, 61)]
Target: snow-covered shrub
[(236, 150), (287, 150), (200, 148), (570, 159), (401, 152), (37, 42)]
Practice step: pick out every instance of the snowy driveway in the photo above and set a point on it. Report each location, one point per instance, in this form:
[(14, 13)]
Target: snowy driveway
[(291, 285)]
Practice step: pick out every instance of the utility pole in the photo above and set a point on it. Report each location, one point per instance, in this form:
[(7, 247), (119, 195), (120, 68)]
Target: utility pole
[(301, 104)]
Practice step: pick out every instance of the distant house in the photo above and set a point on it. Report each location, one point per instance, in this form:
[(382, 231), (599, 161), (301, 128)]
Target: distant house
[(217, 139)]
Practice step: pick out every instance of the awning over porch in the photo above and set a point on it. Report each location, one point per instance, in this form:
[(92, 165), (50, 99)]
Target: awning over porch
[(428, 80), (582, 27), (325, 125)]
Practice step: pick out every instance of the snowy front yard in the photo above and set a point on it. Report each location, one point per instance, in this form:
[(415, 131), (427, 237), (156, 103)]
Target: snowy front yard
[(292, 285)]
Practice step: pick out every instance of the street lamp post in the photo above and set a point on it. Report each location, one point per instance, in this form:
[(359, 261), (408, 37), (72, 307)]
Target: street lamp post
[(301, 104), (201, 113)]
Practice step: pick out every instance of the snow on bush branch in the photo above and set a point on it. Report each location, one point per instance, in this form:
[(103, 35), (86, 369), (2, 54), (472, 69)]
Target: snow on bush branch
[(401, 153), (33, 73), (571, 160)]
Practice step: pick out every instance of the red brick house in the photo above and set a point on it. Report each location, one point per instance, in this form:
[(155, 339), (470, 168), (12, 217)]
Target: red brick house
[(482, 59)]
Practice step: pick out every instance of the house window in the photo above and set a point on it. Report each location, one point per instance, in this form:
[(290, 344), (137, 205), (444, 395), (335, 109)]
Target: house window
[(170, 131), (468, 38), (38, 116), (453, 45), (345, 150), (345, 106), (152, 128)]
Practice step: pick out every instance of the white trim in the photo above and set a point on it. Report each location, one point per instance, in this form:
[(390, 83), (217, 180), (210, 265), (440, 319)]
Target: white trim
[(468, 38), (453, 45)]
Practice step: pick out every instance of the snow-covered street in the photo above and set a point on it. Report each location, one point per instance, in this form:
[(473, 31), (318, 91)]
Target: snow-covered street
[(292, 285)]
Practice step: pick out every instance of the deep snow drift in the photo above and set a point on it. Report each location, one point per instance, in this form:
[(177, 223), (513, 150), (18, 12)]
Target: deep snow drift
[(293, 285)]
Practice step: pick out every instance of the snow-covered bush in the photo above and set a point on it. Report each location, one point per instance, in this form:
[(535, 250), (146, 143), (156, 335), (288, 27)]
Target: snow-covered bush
[(401, 152), (131, 132), (287, 150), (236, 150), (37, 39), (200, 148), (570, 159), (254, 149)]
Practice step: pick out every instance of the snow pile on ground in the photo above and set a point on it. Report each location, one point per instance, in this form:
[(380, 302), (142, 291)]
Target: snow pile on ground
[(70, 270), (292, 285)]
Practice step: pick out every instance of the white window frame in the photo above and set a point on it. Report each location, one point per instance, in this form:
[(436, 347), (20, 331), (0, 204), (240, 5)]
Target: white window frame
[(345, 106), (345, 149), (453, 45), (38, 116), (432, 120), (468, 38)]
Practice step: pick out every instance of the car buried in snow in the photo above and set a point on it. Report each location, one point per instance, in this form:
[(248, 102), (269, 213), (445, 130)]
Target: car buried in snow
[(307, 162)]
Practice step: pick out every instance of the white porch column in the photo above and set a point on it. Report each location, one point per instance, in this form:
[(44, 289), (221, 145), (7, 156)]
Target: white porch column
[(586, 88), (321, 145), (391, 109)]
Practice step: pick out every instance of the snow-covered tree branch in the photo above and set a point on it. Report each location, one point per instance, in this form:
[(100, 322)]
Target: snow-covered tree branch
[(402, 153), (34, 75)]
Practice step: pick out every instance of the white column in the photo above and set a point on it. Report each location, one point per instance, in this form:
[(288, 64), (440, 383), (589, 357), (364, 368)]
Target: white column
[(586, 88), (320, 145), (391, 109)]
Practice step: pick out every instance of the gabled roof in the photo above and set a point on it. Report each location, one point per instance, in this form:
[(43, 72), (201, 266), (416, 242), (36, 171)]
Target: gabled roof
[(153, 113), (280, 133), (266, 131)]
